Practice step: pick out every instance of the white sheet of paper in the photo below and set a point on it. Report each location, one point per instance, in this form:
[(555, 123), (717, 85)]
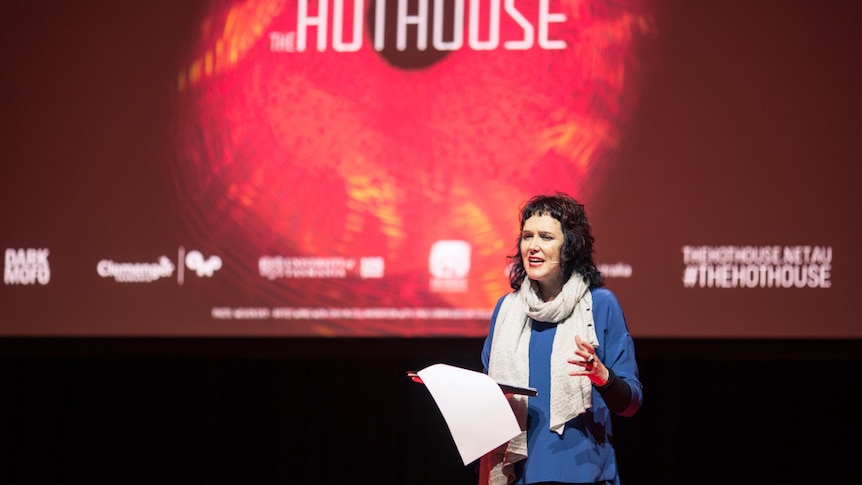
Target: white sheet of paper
[(475, 409)]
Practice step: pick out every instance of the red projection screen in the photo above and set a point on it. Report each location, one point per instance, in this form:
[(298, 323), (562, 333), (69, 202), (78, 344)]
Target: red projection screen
[(352, 168)]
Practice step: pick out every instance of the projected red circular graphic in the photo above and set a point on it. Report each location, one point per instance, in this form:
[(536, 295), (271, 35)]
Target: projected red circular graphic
[(306, 130)]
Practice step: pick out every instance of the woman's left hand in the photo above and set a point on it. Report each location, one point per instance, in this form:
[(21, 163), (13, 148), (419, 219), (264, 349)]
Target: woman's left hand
[(585, 357)]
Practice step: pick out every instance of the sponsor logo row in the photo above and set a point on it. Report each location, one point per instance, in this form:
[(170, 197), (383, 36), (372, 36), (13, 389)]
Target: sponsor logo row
[(449, 264)]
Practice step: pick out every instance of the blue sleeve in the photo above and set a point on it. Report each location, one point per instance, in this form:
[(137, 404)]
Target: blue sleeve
[(616, 346)]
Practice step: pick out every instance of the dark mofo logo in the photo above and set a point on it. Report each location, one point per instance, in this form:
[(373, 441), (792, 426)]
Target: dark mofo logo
[(413, 34)]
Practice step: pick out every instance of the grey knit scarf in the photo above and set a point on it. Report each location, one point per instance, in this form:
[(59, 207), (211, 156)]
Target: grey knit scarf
[(509, 363)]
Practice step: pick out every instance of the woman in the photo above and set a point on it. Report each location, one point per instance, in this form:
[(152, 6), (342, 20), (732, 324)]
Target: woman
[(561, 332)]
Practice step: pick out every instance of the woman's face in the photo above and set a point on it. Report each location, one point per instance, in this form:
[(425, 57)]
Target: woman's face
[(541, 247)]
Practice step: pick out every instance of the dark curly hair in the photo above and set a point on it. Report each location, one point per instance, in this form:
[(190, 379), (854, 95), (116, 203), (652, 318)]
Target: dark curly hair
[(577, 251)]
